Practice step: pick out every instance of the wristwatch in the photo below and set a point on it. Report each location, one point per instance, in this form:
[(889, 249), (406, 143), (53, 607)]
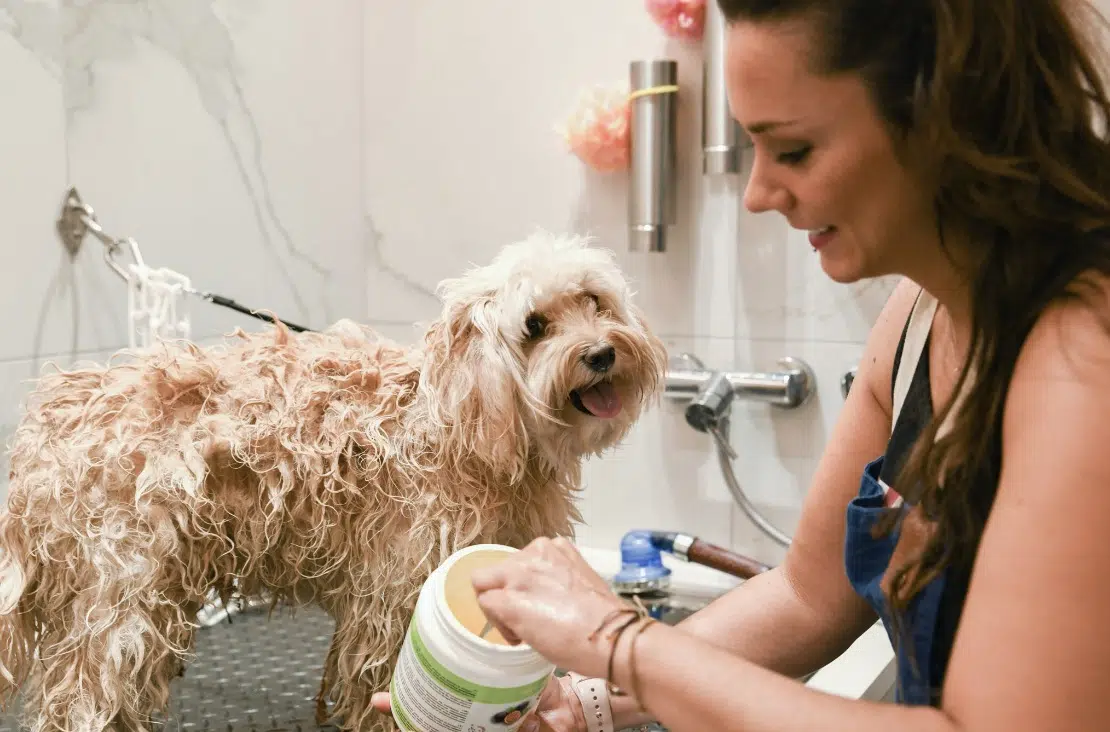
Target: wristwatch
[(594, 695)]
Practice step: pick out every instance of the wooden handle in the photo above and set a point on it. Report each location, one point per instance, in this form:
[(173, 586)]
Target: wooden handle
[(724, 560)]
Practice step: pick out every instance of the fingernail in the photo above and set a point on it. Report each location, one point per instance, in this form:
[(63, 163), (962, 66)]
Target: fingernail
[(531, 727)]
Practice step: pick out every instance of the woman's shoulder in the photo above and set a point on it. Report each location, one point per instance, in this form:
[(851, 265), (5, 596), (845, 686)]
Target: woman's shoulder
[(1040, 571), (1057, 403), (1068, 347)]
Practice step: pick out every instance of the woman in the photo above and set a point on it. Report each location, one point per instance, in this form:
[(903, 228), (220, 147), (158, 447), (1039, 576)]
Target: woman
[(957, 143)]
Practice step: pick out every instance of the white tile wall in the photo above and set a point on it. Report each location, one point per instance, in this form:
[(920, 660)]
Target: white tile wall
[(339, 158), (460, 100)]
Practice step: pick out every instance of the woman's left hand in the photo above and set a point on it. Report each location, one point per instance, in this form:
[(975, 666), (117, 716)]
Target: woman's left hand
[(548, 597)]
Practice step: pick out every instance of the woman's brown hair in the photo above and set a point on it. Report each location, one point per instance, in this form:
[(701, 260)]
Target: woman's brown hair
[(1001, 107)]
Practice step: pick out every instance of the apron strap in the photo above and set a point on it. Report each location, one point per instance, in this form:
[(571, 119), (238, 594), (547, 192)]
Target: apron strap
[(917, 333)]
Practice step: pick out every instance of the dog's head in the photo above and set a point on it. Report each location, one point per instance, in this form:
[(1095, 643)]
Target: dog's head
[(540, 355)]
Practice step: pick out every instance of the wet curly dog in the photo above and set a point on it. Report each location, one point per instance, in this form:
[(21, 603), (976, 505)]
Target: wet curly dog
[(335, 468)]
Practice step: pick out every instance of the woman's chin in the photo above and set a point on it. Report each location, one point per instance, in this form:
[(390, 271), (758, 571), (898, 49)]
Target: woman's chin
[(841, 270)]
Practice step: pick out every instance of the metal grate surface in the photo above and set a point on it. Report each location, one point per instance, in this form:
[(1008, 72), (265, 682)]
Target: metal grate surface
[(258, 673)]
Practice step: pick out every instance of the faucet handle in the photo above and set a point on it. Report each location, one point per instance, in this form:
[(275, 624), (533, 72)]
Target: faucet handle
[(711, 403), (846, 381)]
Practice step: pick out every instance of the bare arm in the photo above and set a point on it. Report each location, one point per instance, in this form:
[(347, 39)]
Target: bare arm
[(803, 614), (691, 684), (1032, 651)]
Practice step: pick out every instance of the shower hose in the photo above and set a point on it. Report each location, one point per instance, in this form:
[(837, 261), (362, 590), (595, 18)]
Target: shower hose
[(737, 491)]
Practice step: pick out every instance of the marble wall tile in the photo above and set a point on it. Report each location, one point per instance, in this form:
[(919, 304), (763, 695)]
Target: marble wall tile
[(460, 101), (339, 159), (225, 139), (38, 287)]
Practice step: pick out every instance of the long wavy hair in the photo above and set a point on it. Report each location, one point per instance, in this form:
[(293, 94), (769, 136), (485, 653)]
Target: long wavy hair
[(1001, 107)]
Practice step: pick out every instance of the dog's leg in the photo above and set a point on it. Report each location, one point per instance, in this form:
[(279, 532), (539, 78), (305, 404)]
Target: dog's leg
[(113, 673), (363, 653), (326, 681)]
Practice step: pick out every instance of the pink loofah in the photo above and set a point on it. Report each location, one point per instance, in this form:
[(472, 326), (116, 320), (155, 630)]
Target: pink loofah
[(683, 19), (597, 131)]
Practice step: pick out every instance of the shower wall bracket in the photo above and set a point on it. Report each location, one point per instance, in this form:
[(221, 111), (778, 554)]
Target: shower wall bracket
[(652, 194), (723, 139), (74, 222)]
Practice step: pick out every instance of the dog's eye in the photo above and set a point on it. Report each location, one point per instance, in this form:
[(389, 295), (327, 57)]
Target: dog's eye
[(535, 325)]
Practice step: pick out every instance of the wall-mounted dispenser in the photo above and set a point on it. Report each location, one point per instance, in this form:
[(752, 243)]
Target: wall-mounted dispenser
[(652, 196), (722, 138)]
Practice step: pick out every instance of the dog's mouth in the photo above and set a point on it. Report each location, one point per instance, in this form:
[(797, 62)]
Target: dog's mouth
[(600, 400)]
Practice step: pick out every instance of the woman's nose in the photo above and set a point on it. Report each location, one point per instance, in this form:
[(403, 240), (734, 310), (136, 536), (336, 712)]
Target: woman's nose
[(763, 194)]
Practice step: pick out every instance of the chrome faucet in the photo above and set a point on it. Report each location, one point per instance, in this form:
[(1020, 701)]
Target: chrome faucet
[(708, 410), (847, 380), (710, 395), (790, 388)]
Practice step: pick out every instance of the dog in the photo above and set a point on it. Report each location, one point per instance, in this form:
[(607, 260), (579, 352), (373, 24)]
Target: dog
[(336, 468)]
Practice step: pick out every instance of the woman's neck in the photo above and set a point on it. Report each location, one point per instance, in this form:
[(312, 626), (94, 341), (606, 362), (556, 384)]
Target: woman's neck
[(944, 273)]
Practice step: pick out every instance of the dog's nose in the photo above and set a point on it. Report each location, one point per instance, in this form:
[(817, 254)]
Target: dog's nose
[(600, 358)]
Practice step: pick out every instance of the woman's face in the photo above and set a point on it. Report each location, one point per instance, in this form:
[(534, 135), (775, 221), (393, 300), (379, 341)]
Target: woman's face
[(822, 155)]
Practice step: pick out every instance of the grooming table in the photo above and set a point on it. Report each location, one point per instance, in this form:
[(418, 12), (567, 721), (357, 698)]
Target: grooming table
[(258, 673)]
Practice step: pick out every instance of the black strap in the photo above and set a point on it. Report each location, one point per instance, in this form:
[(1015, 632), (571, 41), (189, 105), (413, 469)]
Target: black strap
[(916, 412), (227, 302)]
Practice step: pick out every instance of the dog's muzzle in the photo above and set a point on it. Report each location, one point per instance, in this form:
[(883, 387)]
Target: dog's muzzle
[(600, 400), (600, 358)]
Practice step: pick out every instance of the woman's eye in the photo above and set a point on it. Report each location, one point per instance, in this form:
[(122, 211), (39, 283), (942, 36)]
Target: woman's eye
[(535, 325), (794, 157)]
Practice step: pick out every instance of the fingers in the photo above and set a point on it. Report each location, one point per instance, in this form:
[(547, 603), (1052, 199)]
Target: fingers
[(516, 572), (570, 553), (380, 702), (496, 606), (553, 549), (580, 568), (491, 578)]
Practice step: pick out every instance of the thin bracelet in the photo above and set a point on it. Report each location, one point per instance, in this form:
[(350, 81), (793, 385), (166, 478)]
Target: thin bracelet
[(613, 653), (639, 612), (633, 675), (643, 622)]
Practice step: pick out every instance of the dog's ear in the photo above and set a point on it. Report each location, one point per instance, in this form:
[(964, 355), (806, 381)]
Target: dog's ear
[(655, 367), (471, 384)]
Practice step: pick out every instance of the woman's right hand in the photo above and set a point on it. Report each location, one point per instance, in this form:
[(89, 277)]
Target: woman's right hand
[(558, 709)]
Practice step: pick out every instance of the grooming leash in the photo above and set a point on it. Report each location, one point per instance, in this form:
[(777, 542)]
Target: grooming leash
[(78, 220)]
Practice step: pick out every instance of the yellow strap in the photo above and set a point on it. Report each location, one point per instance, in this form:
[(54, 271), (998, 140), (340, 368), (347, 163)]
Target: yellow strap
[(667, 89)]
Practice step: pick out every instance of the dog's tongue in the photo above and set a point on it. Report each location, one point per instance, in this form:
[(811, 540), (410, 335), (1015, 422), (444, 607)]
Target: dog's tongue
[(602, 400)]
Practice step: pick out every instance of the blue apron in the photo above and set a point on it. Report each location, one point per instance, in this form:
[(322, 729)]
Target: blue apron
[(866, 560)]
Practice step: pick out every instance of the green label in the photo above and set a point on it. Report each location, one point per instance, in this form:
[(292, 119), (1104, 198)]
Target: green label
[(468, 689), (398, 710)]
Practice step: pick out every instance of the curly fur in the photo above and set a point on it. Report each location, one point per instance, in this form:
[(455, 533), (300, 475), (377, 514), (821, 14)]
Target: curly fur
[(336, 468)]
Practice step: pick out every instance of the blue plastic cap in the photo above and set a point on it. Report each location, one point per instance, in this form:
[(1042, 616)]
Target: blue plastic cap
[(641, 561)]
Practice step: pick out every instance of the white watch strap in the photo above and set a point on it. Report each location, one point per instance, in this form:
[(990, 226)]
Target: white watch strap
[(594, 695)]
